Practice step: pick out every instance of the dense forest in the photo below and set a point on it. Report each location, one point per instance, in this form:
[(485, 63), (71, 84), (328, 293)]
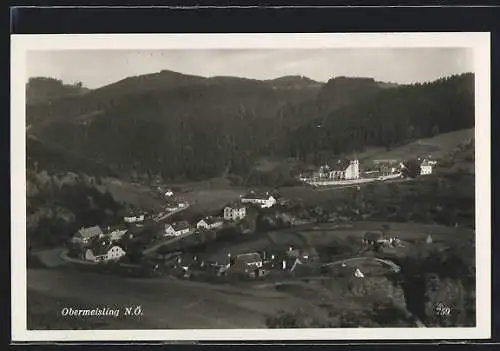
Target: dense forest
[(388, 118), (188, 127)]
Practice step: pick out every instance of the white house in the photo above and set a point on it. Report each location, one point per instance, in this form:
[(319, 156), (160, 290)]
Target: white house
[(264, 200), (425, 168), (104, 253), (234, 212), (169, 193), (345, 170), (84, 235), (176, 229), (209, 223)]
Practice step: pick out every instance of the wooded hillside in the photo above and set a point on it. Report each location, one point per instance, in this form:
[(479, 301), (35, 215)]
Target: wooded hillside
[(189, 127)]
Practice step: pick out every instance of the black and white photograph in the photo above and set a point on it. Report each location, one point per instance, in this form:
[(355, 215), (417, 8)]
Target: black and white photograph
[(279, 186)]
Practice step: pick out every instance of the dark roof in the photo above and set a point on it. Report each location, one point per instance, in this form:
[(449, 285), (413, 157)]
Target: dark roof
[(182, 225), (341, 165), (102, 247), (90, 232), (249, 257), (254, 195)]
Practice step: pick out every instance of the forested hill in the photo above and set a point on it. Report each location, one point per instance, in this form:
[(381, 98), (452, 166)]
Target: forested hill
[(190, 127), (46, 90), (389, 118)]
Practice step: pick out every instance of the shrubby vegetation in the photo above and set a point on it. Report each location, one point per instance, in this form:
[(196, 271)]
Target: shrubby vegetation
[(447, 199), (60, 204)]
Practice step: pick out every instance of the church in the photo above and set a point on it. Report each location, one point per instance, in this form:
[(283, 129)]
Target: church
[(342, 170)]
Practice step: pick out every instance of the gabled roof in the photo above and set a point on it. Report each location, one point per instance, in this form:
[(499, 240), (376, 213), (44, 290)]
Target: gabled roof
[(425, 163), (249, 257), (90, 232), (178, 226), (102, 247)]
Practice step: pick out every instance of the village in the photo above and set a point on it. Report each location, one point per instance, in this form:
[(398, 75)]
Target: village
[(170, 243)]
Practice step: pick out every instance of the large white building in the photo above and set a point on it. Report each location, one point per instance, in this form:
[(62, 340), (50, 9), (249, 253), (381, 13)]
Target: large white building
[(263, 200), (344, 170)]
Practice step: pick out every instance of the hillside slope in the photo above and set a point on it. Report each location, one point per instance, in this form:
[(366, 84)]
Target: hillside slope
[(391, 117), (189, 127), (437, 147)]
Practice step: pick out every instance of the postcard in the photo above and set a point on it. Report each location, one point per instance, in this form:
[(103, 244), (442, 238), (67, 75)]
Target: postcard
[(215, 187)]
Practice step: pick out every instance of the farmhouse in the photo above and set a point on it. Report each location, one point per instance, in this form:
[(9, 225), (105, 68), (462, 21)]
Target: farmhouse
[(85, 235), (209, 223), (104, 252), (264, 200), (234, 212), (426, 167), (247, 263), (176, 229)]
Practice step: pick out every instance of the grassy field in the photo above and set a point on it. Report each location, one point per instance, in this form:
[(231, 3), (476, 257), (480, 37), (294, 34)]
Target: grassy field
[(135, 195), (166, 303), (203, 196), (438, 146)]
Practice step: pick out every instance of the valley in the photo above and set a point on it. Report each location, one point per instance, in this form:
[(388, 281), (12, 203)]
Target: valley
[(98, 156)]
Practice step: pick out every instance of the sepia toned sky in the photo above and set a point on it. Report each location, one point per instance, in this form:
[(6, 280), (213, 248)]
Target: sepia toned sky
[(96, 68)]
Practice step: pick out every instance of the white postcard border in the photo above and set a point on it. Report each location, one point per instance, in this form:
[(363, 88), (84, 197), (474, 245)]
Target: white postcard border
[(479, 42)]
